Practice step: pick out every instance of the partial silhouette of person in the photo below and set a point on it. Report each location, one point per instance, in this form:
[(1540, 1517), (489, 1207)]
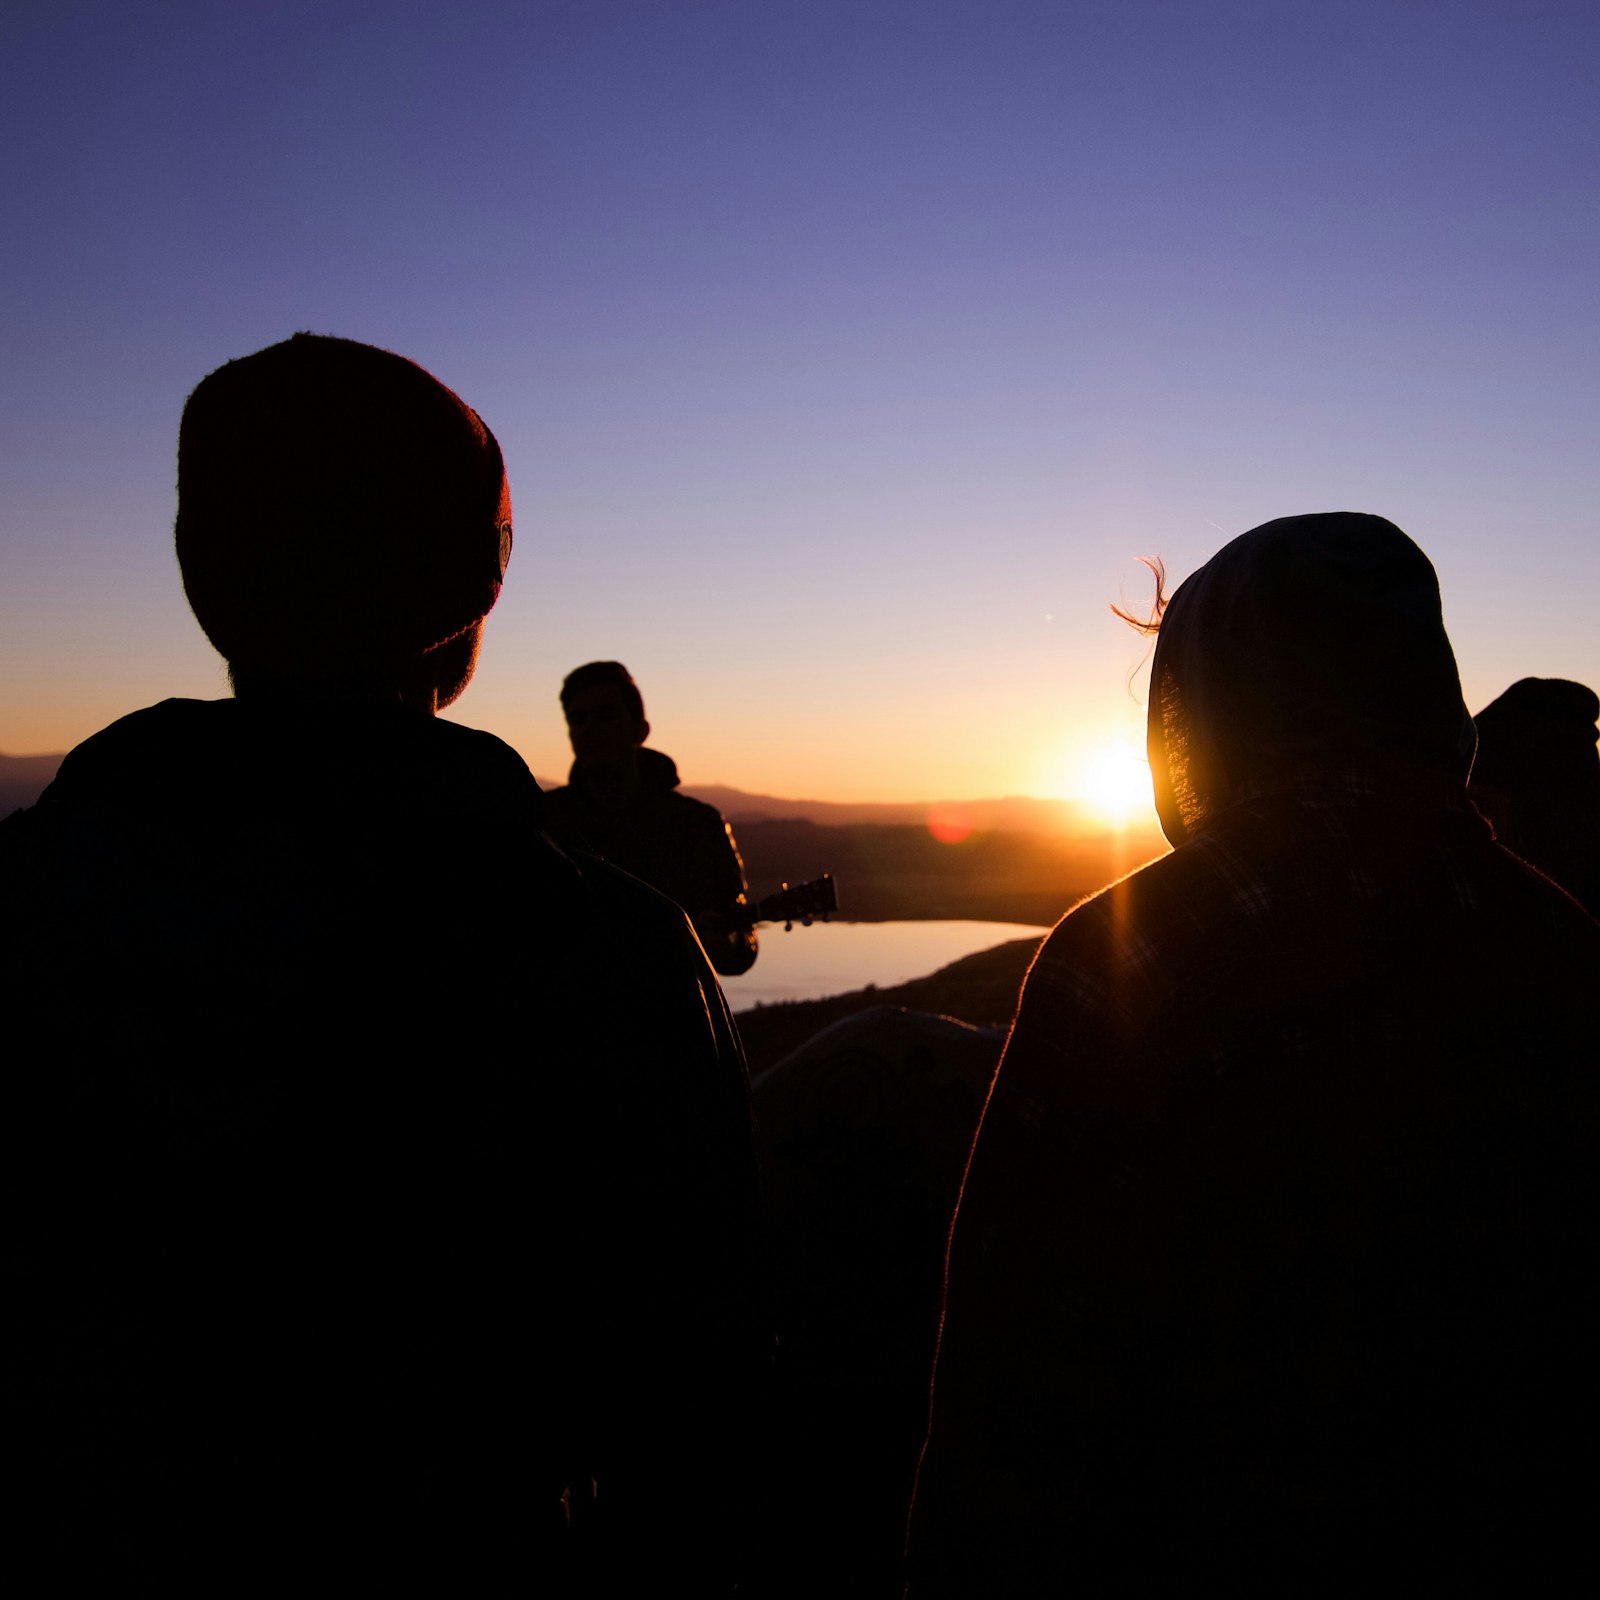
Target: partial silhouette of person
[(621, 801), (1274, 1269), (1537, 780), (863, 1133), (384, 1184)]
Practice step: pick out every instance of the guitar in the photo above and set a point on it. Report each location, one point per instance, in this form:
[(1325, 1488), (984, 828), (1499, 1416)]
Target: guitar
[(800, 902)]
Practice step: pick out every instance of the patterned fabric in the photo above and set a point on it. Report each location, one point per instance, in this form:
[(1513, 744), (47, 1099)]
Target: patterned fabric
[(1277, 1248)]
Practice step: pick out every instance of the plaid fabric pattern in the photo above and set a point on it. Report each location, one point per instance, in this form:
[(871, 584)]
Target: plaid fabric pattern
[(1276, 1245)]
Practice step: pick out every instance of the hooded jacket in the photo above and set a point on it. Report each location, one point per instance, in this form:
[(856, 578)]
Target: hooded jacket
[(1537, 779), (680, 846), (1276, 1256)]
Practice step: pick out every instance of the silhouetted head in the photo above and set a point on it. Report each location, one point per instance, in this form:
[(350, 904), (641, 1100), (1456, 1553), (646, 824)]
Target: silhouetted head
[(1311, 643), (605, 715), (343, 521), (1537, 779)]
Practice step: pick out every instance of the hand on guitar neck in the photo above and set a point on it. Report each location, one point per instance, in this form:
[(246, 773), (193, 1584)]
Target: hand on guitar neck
[(792, 903), (799, 902)]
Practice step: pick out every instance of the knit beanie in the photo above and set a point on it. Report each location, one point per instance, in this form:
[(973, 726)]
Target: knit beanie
[(338, 509)]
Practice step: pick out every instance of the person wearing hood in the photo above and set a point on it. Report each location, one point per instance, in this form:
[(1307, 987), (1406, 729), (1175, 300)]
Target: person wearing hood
[(1275, 1264), (381, 1181), (622, 803), (1537, 779)]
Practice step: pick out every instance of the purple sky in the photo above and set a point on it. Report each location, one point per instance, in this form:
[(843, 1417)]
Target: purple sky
[(843, 355)]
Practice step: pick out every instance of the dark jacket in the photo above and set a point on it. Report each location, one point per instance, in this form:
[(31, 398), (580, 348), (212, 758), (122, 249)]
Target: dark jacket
[(1537, 780), (1275, 1266), (677, 845), (384, 1179)]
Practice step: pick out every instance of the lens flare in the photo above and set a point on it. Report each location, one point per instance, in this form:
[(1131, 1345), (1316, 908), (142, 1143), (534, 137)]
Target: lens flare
[(949, 824)]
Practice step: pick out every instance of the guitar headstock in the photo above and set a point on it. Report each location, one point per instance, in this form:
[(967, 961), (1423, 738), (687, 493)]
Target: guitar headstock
[(800, 902)]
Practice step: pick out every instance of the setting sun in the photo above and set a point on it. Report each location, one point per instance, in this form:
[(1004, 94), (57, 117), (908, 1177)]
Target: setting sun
[(1114, 782)]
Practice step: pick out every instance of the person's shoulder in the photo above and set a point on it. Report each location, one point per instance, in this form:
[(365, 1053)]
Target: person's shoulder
[(99, 797), (1123, 956), (165, 720), (478, 748), (697, 813), (658, 786), (649, 959), (564, 801), (141, 740), (1121, 920), (419, 771), (1539, 901), (478, 742), (640, 927), (629, 906)]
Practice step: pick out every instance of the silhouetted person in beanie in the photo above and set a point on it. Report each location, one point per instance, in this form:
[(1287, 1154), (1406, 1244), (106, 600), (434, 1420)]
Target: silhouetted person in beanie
[(622, 802), (384, 1186), (1275, 1267), (1537, 779)]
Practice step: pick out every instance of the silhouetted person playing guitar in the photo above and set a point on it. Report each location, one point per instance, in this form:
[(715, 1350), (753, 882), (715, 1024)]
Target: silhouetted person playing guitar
[(622, 802)]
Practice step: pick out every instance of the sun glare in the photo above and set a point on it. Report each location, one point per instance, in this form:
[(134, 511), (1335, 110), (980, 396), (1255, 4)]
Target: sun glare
[(1114, 783)]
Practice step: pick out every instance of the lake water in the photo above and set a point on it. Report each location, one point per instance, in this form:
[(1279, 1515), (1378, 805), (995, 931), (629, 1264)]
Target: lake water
[(834, 957)]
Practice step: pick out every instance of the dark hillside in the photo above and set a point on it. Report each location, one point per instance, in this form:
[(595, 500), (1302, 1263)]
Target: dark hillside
[(981, 989)]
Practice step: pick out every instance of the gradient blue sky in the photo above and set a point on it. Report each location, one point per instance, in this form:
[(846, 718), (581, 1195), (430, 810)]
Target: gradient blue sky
[(843, 355)]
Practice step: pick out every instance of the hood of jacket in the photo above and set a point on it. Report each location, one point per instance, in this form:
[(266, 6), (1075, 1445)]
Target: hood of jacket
[(657, 773), (1312, 643)]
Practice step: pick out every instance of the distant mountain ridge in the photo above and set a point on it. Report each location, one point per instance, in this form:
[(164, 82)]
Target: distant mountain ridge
[(24, 778), (1018, 813), (1010, 814)]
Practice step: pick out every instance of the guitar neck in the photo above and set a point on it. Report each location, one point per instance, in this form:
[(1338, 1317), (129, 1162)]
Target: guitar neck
[(801, 902)]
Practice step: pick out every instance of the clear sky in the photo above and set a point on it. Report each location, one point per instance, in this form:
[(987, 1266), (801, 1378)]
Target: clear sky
[(844, 355)]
